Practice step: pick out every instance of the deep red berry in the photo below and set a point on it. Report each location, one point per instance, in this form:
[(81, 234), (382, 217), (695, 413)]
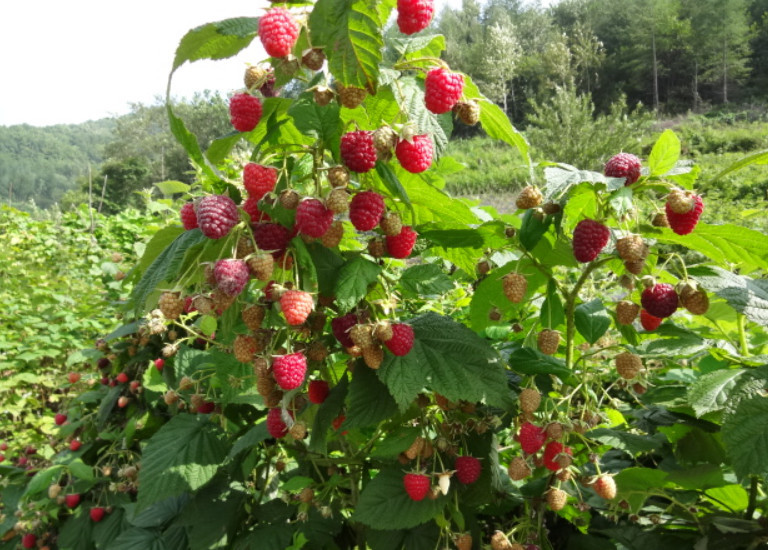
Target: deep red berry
[(97, 514), (623, 165), (72, 500), (365, 210), (552, 450), (159, 363), (417, 485), (289, 370), (660, 300), (468, 469), (415, 155), (402, 339), (74, 445), (29, 540), (357, 151), (340, 327), (414, 15), (400, 246), (60, 419), (338, 421), (244, 112), (275, 425), (648, 321), (278, 31), (2, 457), (296, 306), (188, 216), (231, 276), (251, 207), (313, 218), (589, 238), (122, 378), (683, 224), (206, 407), (442, 89), (317, 392), (259, 180), (272, 237), (217, 215), (531, 438)]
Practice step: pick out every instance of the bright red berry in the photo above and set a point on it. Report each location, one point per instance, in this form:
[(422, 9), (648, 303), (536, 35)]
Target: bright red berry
[(278, 31), (317, 392), (340, 327), (72, 500), (296, 306), (683, 224), (623, 165), (275, 425), (231, 276), (3, 446), (468, 469), (97, 514), (365, 210), (417, 485), (338, 421), (217, 215), (60, 419), (272, 237), (415, 155), (74, 445), (551, 452), (2, 457), (122, 378), (244, 112), (251, 207), (259, 180), (402, 339), (531, 438), (188, 216), (589, 238), (29, 540), (648, 321), (159, 363), (313, 218), (442, 89), (660, 300), (357, 151), (414, 15), (400, 246), (289, 370)]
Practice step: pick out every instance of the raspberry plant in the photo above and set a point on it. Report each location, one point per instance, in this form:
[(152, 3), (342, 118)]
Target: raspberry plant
[(342, 356)]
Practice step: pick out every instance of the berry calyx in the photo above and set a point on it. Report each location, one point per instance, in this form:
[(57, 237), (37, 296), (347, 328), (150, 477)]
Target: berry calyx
[(416, 485), (442, 89), (278, 31)]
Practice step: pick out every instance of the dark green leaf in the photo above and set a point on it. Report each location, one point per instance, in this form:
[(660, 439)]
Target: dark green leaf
[(712, 391), (392, 183), (395, 443), (320, 122), (530, 361), (454, 238), (353, 280), (76, 533), (632, 443), (267, 537), (592, 320), (745, 435), (552, 312), (425, 279), (533, 229), (326, 413), (368, 401), (137, 538), (218, 40), (250, 439), (636, 484), (327, 266)]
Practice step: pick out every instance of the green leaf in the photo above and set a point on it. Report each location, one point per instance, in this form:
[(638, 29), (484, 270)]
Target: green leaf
[(735, 497), (327, 266), (108, 529), (745, 295), (188, 140), (712, 391), (425, 280), (159, 242), (218, 40), (320, 122), (250, 439), (296, 484), (745, 436), (632, 443), (267, 537), (395, 443), (410, 97), (171, 187), (81, 470), (368, 401), (531, 362), (137, 538), (533, 229), (43, 479), (327, 412), (182, 456), (220, 148), (353, 281), (621, 201), (592, 320), (635, 485), (76, 533), (665, 154), (431, 45), (561, 178), (760, 157), (392, 183), (552, 312)]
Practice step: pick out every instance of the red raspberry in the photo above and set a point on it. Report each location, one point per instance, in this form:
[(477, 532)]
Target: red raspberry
[(414, 15), (318, 391), (531, 438), (72, 500), (415, 155), (75, 444), (244, 112), (275, 425), (357, 151), (400, 246), (442, 90), (272, 237), (660, 300), (289, 370), (278, 31), (29, 540), (623, 165), (340, 327), (60, 419), (231, 276), (313, 218), (251, 207), (217, 215), (468, 469), (259, 180), (402, 339), (589, 238), (551, 451), (97, 514), (365, 210), (188, 216), (683, 224), (122, 378), (648, 321), (296, 306), (206, 407), (417, 485)]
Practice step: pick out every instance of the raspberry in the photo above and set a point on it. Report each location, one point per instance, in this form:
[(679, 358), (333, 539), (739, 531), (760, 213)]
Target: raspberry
[(255, 76), (391, 224), (626, 312), (463, 542), (97, 514), (377, 247), (259, 180), (122, 378), (361, 335), (414, 15), (631, 248), (338, 176), (231, 276), (416, 485), (683, 224), (635, 267), (72, 500), (289, 370), (400, 246), (694, 299), (188, 216), (499, 541), (251, 207), (340, 326), (623, 165), (373, 356), (551, 452), (468, 112), (244, 347), (680, 201), (332, 237), (289, 199), (515, 286), (171, 305), (253, 316), (660, 220), (29, 540), (468, 469), (316, 350), (529, 197), (402, 339), (660, 300), (628, 365), (296, 306), (357, 151), (531, 438), (415, 155), (384, 140), (365, 210), (442, 89), (530, 400), (271, 237), (518, 469), (382, 331), (275, 425), (217, 215), (548, 341), (313, 59), (60, 419), (605, 486), (278, 31), (313, 218), (244, 112), (589, 238), (317, 392), (556, 499), (350, 96), (337, 201), (648, 321)]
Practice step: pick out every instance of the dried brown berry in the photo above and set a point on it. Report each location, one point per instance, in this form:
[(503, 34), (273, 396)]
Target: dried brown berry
[(313, 59), (361, 335), (391, 224), (499, 541), (467, 111), (255, 76), (299, 432), (660, 220), (338, 200), (244, 347), (518, 469), (333, 236), (384, 141), (636, 267), (373, 356), (631, 248), (680, 201), (171, 304), (350, 96), (694, 299), (377, 247), (322, 95), (338, 176), (253, 316), (289, 199), (261, 266)]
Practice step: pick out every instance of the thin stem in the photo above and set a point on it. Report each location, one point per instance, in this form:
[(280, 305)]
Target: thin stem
[(752, 498), (742, 324), (570, 309)]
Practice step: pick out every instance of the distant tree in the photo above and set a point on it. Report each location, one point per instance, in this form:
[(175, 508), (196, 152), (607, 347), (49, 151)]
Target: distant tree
[(121, 180), (503, 53)]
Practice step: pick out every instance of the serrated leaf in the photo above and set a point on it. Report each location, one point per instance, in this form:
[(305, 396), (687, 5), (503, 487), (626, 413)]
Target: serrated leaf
[(43, 479), (410, 97), (218, 40), (581, 204), (327, 266), (745, 295), (329, 410), (171, 187), (108, 529), (353, 280), (425, 279), (552, 312), (532, 362), (189, 142), (76, 533), (745, 436), (561, 178), (395, 443), (592, 320), (159, 242), (320, 122), (665, 153), (533, 229), (621, 201), (137, 538), (250, 439), (368, 401), (632, 443), (636, 484), (267, 537), (220, 148), (431, 45), (712, 391)]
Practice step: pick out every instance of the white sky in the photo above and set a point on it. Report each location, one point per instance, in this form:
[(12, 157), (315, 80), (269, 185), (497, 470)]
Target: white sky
[(68, 62)]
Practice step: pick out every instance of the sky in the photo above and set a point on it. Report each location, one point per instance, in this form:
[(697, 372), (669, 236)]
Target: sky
[(69, 62)]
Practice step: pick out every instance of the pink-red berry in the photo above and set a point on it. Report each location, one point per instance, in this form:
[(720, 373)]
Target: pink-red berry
[(415, 155), (683, 224), (72, 500), (275, 425), (272, 237), (551, 452), (278, 31), (231, 276), (317, 392), (74, 445), (531, 437), (313, 218), (365, 210), (417, 485), (289, 370), (217, 215), (188, 216), (244, 112), (357, 151), (29, 540), (60, 419), (251, 207), (442, 89), (660, 300), (259, 180), (468, 469), (589, 238), (402, 339), (623, 165), (296, 306), (400, 246), (414, 15)]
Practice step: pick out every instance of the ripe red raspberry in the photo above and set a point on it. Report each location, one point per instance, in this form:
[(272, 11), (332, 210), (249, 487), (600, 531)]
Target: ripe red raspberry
[(72, 500), (623, 165), (313, 218), (289, 370), (217, 215), (589, 238), (60, 419), (357, 151), (415, 155), (122, 378), (365, 210), (468, 469), (259, 180), (272, 237), (414, 15), (188, 216), (402, 339), (400, 246), (442, 89), (231, 276), (97, 514), (296, 306), (75, 444), (278, 31), (531, 438), (275, 425), (244, 112), (318, 391), (251, 207), (551, 451), (660, 300), (683, 224), (648, 321), (417, 485), (340, 327), (29, 540)]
